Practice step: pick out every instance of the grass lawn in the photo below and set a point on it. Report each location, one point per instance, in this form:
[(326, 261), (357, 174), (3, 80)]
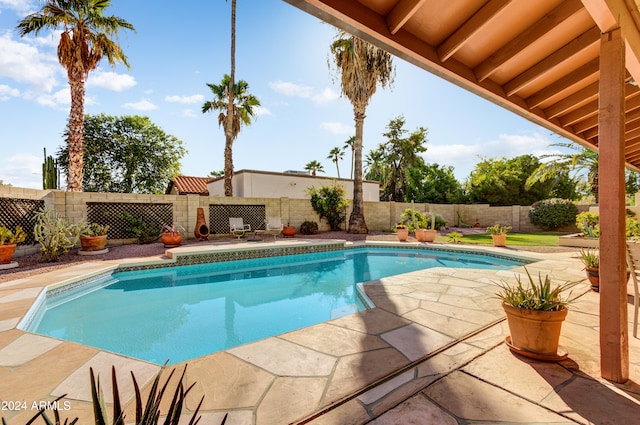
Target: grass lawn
[(517, 239)]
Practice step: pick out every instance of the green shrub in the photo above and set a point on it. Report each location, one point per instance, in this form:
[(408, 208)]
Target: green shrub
[(551, 214), (413, 219), (587, 223), (309, 228), (435, 221), (56, 235), (632, 228), (330, 204), (144, 231)]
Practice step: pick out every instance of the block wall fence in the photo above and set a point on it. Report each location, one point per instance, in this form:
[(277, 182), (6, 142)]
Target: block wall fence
[(380, 216)]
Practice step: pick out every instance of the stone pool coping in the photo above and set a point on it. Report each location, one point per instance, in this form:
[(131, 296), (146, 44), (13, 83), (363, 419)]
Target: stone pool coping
[(357, 360)]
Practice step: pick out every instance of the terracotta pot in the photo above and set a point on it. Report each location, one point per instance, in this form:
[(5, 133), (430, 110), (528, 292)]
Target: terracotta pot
[(430, 235), (535, 332), (499, 240), (593, 274), (201, 231), (288, 231), (420, 235), (93, 243), (403, 234), (6, 253), (171, 239)]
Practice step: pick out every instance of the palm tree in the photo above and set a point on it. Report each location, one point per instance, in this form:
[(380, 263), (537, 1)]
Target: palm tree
[(87, 37), (335, 155), (242, 110), (361, 67), (313, 167), (351, 143), (583, 163)]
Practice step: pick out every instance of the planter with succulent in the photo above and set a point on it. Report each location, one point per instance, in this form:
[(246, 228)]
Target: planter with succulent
[(591, 261), (402, 231), (535, 311), (9, 240), (499, 234), (93, 239), (171, 235)]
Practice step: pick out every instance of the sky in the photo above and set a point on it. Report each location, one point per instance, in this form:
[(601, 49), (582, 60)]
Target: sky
[(283, 54)]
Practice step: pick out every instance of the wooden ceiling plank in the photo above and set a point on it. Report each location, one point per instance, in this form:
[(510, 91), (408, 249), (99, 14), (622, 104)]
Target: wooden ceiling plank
[(402, 12), (475, 23), (575, 46), (585, 125), (585, 71), (569, 103), (580, 114), (564, 11)]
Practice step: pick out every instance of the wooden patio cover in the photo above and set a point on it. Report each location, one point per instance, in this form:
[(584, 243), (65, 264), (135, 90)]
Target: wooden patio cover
[(567, 65)]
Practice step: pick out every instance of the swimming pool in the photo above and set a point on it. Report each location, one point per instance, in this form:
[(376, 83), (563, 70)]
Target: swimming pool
[(179, 313)]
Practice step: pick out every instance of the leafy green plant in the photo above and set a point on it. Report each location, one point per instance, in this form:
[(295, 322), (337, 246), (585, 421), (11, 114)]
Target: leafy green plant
[(498, 229), (413, 219), (55, 234), (9, 237), (590, 258), (632, 228), (309, 228), (534, 295), (587, 223), (454, 237), (145, 232), (330, 204), (94, 229), (551, 214)]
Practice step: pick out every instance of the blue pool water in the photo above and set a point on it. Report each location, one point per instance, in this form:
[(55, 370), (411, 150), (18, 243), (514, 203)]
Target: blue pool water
[(184, 312)]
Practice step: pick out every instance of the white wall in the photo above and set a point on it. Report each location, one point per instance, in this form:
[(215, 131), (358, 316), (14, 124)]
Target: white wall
[(264, 184)]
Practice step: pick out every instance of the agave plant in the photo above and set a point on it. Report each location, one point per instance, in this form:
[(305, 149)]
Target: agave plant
[(147, 413), (534, 295)]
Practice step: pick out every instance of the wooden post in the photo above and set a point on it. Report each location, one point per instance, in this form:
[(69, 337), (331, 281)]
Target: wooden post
[(614, 331)]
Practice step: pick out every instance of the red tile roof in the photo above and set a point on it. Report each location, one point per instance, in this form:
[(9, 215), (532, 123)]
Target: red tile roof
[(186, 185)]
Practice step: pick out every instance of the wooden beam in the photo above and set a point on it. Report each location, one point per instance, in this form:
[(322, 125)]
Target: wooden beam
[(479, 20), (585, 71), (569, 103), (575, 46), (614, 326), (564, 11), (584, 112), (401, 13)]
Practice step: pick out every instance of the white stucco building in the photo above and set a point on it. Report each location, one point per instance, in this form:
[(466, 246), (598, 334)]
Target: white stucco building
[(289, 184)]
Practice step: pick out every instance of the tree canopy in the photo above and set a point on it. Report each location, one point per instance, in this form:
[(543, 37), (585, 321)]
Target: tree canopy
[(127, 154)]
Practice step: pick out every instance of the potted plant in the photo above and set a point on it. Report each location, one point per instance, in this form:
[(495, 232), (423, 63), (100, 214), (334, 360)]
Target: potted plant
[(171, 237), (402, 231), (93, 237), (591, 261), (430, 232), (535, 312), (9, 241), (499, 234), (288, 231)]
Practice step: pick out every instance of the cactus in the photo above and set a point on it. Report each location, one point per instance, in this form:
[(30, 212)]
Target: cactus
[(56, 235), (49, 172)]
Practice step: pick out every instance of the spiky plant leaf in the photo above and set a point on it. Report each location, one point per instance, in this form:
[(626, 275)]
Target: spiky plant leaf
[(99, 411), (118, 414)]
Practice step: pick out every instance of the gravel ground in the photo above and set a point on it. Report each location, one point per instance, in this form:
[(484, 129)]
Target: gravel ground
[(30, 264)]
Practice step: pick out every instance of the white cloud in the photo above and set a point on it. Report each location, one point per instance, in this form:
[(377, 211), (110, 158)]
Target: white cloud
[(464, 157), (189, 113), (19, 6), (261, 110), (326, 96), (305, 92), (143, 105), (337, 128), (22, 170), (24, 63), (196, 98), (110, 80), (7, 92), (57, 99)]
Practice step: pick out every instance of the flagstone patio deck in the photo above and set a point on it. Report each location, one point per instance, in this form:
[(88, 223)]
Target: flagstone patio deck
[(432, 351)]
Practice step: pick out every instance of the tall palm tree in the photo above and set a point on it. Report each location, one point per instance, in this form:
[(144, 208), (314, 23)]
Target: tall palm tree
[(242, 110), (87, 37), (350, 143), (582, 162), (361, 67), (314, 167), (229, 133), (335, 155)]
